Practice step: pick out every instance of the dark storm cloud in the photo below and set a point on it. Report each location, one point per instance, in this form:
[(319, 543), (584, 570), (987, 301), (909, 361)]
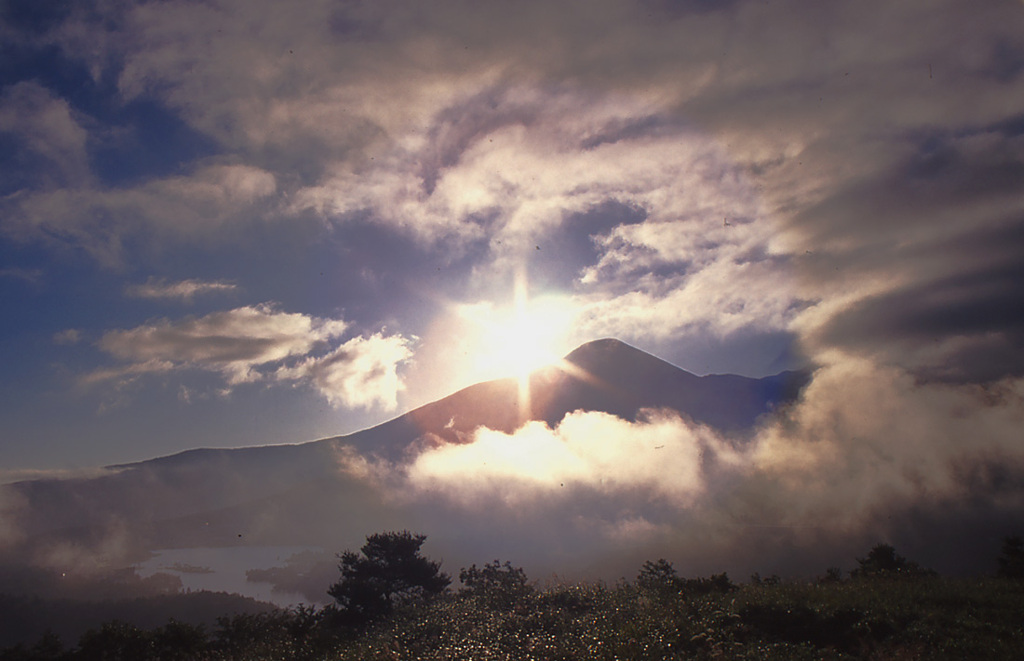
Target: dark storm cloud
[(952, 182), (966, 327), (946, 229)]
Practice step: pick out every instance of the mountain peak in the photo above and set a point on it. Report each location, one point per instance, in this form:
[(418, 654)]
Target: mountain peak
[(612, 360), (623, 380), (599, 349)]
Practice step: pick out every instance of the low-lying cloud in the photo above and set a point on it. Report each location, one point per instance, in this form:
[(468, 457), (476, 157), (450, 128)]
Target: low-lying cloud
[(866, 438), (586, 449), (11, 506), (865, 451)]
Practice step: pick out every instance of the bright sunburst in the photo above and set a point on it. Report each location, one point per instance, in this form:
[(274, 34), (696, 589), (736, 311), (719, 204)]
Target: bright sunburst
[(516, 339)]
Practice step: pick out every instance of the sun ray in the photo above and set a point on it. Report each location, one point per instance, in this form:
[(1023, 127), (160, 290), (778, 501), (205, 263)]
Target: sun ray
[(516, 339)]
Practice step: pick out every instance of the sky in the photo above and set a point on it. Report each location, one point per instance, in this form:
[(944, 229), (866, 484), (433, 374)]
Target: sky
[(233, 223)]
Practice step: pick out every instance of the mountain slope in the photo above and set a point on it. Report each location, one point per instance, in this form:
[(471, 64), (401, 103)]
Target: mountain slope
[(606, 375)]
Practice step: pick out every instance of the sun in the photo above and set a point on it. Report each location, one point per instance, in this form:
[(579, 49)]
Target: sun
[(520, 339), (526, 338), (514, 340)]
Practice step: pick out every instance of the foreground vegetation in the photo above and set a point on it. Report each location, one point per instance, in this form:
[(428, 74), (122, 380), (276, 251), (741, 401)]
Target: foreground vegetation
[(889, 608)]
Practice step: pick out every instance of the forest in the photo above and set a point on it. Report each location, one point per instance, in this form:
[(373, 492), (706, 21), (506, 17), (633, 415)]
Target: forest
[(391, 602)]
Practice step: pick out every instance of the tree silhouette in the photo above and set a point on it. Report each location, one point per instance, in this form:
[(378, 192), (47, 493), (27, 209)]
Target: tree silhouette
[(387, 571), (661, 579), (883, 560), (1011, 560), (497, 585), (659, 576)]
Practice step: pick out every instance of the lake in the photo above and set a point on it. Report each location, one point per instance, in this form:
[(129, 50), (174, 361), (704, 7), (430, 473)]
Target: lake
[(223, 570)]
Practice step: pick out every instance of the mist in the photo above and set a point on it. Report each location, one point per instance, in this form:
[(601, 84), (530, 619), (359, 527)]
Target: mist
[(867, 454)]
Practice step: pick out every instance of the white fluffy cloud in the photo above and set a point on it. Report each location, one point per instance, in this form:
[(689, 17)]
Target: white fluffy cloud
[(233, 342), (517, 161), (361, 373), (867, 438), (259, 343), (662, 455), (725, 296)]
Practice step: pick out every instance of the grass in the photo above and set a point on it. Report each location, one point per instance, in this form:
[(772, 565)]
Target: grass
[(870, 618), (929, 618)]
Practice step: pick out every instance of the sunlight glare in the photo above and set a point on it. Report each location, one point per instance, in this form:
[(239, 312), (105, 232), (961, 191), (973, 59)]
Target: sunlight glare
[(518, 340)]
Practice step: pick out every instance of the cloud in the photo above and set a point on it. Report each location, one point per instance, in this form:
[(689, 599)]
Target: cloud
[(261, 343), (233, 342), (8, 476), (114, 545), (30, 276), (67, 336), (803, 169), (47, 131), (827, 161), (918, 267), (868, 438), (866, 454), (361, 373), (517, 164), (515, 161), (99, 219), (663, 455), (724, 297), (183, 289), (127, 374)]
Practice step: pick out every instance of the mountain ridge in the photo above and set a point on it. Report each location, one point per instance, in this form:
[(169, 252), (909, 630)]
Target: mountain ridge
[(608, 375), (254, 494)]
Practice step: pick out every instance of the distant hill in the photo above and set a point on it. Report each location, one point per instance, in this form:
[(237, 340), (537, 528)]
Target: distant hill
[(25, 619)]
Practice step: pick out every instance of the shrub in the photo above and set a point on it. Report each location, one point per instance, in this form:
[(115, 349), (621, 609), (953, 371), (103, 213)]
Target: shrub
[(883, 561), (1011, 560), (497, 585), (659, 576)]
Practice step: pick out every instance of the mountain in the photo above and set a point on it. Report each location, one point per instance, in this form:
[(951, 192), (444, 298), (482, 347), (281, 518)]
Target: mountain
[(308, 494), (604, 375)]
